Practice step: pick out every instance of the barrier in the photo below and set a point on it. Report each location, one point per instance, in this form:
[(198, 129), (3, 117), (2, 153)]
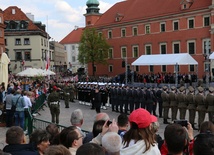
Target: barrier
[(39, 103)]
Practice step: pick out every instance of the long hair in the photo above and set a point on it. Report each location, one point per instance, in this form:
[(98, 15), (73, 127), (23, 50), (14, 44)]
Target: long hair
[(136, 134)]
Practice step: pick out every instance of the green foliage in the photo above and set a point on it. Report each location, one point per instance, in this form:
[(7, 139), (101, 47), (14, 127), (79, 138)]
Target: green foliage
[(93, 48)]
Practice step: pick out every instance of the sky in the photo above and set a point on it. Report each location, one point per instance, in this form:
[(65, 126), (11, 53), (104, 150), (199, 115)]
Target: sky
[(59, 16)]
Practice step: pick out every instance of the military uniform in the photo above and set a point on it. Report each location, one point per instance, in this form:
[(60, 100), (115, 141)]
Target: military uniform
[(191, 106), (54, 105), (160, 102), (66, 95), (201, 107), (166, 104), (210, 103), (173, 102), (182, 104)]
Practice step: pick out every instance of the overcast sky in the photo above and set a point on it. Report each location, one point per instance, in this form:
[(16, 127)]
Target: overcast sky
[(62, 15)]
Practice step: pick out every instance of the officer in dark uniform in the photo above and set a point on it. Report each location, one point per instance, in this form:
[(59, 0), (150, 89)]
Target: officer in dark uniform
[(166, 104), (201, 107), (149, 99), (130, 99), (124, 100), (142, 99), (182, 103), (54, 105), (173, 102), (191, 106), (154, 107), (66, 91), (210, 103), (160, 101), (97, 100)]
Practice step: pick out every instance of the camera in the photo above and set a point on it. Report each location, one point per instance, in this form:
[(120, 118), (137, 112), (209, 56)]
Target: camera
[(181, 122), (109, 122)]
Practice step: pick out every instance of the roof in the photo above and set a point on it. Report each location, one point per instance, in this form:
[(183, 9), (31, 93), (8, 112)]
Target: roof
[(133, 10), (19, 16), (73, 37), (165, 59)]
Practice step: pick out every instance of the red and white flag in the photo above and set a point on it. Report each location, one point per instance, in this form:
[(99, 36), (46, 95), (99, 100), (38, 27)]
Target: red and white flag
[(47, 61)]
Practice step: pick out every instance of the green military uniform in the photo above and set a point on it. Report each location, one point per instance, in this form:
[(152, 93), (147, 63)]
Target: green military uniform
[(71, 91), (66, 94), (201, 107), (166, 104), (173, 102), (210, 103), (182, 104), (191, 106), (54, 105)]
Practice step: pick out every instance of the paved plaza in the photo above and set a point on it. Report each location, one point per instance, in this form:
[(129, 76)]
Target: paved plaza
[(88, 118)]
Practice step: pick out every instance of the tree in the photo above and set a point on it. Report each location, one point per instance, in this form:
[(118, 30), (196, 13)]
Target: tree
[(93, 48)]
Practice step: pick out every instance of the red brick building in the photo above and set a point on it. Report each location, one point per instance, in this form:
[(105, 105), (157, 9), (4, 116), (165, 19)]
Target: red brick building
[(2, 26), (138, 27)]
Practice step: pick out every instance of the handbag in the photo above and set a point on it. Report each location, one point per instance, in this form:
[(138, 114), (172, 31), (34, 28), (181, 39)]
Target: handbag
[(13, 108)]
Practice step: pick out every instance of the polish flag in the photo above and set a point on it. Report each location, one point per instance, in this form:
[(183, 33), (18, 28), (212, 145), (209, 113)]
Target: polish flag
[(47, 61)]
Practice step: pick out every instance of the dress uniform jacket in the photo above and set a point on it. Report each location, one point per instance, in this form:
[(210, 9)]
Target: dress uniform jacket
[(200, 102), (191, 101), (210, 102), (165, 99)]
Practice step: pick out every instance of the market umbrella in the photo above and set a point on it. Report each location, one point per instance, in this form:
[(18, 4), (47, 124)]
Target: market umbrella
[(30, 72)]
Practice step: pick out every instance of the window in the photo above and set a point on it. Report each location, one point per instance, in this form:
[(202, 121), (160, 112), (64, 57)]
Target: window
[(163, 68), (109, 34), (162, 27), (73, 59), (162, 48), (123, 32), (44, 42), (23, 25), (151, 68), (206, 21), (95, 68), (148, 50), (206, 66), (147, 29), (191, 47), (110, 68), (27, 56), (137, 68), (18, 41), (18, 55), (191, 68), (0, 19), (41, 41), (134, 31), (206, 46), (100, 34), (175, 25), (123, 52), (110, 53), (13, 25), (190, 23), (26, 41), (65, 47), (73, 47), (135, 51), (176, 47)]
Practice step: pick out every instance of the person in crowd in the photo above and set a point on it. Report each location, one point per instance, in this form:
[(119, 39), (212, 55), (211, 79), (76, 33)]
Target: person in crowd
[(173, 102), (178, 140), (166, 104), (57, 150), (97, 100), (112, 143), (40, 138), (123, 124), (8, 101), (182, 102), (77, 119), (90, 149), (154, 128), (71, 138), (139, 139), (160, 101), (191, 106), (100, 116), (201, 106), (210, 103), (206, 126), (16, 140), (27, 108), (204, 143), (19, 114), (54, 105), (66, 95), (54, 133)]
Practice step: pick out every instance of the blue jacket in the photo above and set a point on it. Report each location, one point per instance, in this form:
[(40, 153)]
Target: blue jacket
[(21, 102)]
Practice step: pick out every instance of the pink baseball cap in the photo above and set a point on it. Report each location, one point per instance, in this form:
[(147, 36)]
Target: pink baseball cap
[(142, 118)]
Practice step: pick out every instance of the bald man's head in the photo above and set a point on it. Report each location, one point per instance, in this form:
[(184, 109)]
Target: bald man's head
[(102, 116)]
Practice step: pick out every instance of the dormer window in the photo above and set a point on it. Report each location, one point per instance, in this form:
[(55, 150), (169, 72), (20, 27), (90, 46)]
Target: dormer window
[(23, 25), (186, 4), (118, 17), (13, 25)]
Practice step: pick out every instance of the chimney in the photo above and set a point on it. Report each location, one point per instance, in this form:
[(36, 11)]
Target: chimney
[(30, 16)]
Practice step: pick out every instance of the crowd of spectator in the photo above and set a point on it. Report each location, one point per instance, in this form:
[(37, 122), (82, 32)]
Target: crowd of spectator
[(127, 135)]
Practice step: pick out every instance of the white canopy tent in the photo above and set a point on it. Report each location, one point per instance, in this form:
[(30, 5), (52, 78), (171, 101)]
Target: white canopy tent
[(166, 59)]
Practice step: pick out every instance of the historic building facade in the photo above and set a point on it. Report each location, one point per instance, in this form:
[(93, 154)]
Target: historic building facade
[(142, 27), (2, 46), (26, 41)]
